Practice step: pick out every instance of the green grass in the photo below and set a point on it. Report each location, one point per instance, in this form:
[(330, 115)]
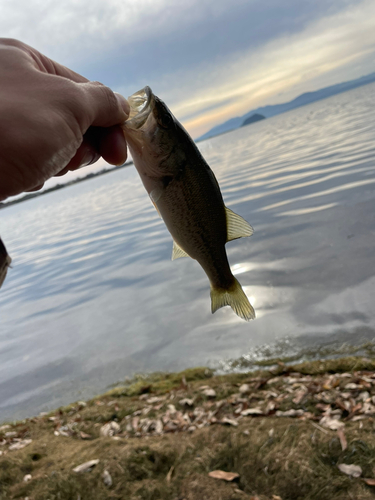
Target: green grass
[(275, 457)]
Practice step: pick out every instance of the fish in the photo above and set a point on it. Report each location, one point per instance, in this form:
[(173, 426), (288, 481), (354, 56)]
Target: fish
[(5, 262), (187, 196)]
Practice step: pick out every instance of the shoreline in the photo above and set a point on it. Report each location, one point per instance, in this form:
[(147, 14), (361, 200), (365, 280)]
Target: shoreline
[(57, 187), (282, 433)]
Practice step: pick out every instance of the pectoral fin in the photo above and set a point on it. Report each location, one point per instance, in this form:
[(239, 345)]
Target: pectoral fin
[(177, 251), (154, 197), (237, 227)]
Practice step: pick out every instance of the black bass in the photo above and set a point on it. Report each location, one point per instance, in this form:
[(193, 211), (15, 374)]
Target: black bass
[(5, 261), (187, 196)]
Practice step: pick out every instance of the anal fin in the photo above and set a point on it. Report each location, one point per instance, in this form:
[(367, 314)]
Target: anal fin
[(237, 227), (177, 252)]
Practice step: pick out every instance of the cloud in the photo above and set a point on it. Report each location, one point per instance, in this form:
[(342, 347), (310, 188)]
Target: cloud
[(208, 59), (250, 79), (154, 35)]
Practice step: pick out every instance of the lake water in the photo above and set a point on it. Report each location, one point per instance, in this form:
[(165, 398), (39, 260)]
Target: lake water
[(93, 296)]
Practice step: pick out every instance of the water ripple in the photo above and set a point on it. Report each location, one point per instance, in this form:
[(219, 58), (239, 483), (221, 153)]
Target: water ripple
[(93, 295)]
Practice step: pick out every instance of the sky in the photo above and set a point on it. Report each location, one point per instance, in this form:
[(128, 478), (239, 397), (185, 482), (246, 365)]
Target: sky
[(209, 60)]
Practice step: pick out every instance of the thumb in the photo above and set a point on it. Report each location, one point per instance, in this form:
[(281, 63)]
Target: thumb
[(105, 107)]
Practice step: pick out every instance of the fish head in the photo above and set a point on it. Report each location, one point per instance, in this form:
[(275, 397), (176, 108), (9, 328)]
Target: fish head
[(157, 141)]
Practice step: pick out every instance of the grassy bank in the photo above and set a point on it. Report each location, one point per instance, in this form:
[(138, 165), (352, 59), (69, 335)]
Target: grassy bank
[(284, 431)]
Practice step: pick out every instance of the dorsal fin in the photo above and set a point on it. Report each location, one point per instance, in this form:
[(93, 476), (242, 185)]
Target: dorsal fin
[(177, 252), (237, 227)]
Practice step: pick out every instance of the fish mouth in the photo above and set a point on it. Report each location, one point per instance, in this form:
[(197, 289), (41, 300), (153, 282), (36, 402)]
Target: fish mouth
[(141, 104)]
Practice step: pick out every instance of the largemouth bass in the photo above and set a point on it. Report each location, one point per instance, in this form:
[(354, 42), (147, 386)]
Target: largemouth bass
[(187, 196), (5, 261)]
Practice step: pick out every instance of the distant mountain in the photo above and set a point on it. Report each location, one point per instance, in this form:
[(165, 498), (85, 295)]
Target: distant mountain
[(302, 100), (252, 119)]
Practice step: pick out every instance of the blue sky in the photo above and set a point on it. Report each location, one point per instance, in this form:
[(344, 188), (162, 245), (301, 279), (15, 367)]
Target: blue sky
[(209, 60)]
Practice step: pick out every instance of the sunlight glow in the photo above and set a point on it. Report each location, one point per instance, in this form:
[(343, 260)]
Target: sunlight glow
[(242, 268), (253, 79)]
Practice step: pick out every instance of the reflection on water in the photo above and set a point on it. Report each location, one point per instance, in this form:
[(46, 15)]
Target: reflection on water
[(93, 295)]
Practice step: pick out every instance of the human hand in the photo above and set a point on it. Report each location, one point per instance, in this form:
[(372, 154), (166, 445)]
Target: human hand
[(52, 120)]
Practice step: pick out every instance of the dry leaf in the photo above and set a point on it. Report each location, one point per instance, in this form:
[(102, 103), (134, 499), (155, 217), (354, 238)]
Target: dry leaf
[(169, 475), (300, 394), (276, 497), (186, 402), (350, 470), (110, 429), (352, 386), (244, 389), (369, 481), (229, 421), (19, 445), (331, 423), (251, 411), (210, 393), (10, 434), (343, 441), (158, 426), (226, 476), (154, 399), (107, 479), (357, 417), (290, 413), (86, 466), (84, 435)]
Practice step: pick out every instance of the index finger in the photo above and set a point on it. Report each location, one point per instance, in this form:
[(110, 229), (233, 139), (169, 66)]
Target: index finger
[(54, 68), (44, 63)]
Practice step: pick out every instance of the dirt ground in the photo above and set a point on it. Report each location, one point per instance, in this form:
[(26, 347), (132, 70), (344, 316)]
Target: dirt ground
[(290, 433)]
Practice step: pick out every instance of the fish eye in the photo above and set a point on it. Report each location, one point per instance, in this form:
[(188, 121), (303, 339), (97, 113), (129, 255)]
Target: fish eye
[(165, 120)]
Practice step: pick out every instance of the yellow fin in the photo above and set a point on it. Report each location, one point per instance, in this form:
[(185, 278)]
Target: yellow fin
[(177, 252), (235, 298), (237, 227)]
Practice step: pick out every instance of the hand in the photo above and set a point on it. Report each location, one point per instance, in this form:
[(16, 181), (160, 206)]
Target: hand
[(52, 120)]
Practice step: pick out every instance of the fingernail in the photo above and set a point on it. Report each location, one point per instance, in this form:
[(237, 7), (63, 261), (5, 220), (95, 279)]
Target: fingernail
[(123, 103)]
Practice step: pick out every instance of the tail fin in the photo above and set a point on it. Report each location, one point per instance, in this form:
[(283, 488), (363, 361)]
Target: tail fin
[(235, 298), (5, 261)]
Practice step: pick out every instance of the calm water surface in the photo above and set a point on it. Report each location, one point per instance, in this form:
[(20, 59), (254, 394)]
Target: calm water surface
[(93, 295)]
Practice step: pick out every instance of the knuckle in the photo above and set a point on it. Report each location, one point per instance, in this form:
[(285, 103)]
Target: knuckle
[(107, 95), (12, 42), (76, 102)]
